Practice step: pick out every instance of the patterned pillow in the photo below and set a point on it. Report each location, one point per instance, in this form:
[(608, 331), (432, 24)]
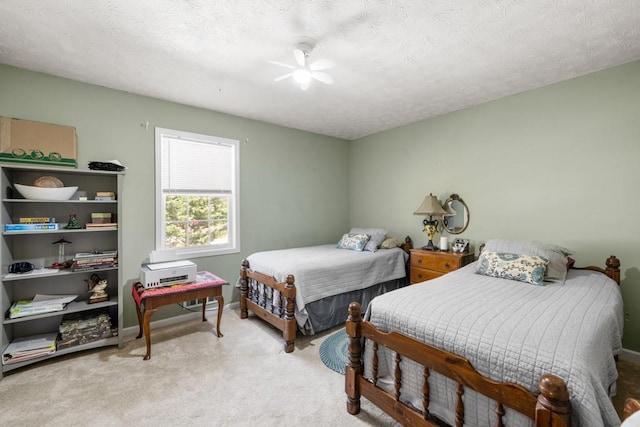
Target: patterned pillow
[(524, 268), (557, 255), (377, 236), (353, 242)]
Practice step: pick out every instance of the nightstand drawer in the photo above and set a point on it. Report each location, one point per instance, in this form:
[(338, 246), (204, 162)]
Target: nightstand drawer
[(441, 262), (420, 275), (427, 265)]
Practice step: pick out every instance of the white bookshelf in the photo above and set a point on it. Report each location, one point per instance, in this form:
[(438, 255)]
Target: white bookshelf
[(39, 248)]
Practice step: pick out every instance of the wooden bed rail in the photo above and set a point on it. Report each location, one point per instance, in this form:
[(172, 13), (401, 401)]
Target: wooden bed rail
[(273, 301), (612, 269), (550, 409)]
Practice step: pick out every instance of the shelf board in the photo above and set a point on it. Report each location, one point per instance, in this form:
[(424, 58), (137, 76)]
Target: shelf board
[(27, 276), (72, 307), (100, 202), (69, 350), (60, 230)]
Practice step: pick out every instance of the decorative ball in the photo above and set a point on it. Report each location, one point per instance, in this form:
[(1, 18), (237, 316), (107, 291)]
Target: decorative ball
[(48, 182)]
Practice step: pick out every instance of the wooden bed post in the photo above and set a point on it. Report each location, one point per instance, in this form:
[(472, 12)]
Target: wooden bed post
[(353, 370), (613, 268), (289, 334), (552, 408), (244, 289)]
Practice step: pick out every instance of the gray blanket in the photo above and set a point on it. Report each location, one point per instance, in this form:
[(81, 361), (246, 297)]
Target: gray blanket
[(511, 331), (323, 270)]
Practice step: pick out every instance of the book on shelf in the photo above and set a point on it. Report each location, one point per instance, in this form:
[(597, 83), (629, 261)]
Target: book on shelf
[(104, 198), (102, 225), (95, 260), (96, 254), (31, 227), (93, 266), (37, 220), (105, 194), (29, 347), (40, 304)]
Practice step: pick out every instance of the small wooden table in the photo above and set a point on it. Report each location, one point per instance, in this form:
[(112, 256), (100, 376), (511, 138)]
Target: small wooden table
[(148, 301)]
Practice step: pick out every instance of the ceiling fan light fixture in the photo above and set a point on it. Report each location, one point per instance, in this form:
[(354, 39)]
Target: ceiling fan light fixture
[(303, 72), (302, 75)]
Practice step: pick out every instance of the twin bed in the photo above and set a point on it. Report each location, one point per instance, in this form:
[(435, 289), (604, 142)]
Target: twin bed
[(310, 288), (484, 345)]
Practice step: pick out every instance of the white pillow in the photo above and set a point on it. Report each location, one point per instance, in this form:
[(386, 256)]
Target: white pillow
[(391, 242), (377, 237), (557, 255)]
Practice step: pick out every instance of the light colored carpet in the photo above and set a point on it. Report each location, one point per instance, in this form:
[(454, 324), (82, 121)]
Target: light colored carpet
[(194, 379)]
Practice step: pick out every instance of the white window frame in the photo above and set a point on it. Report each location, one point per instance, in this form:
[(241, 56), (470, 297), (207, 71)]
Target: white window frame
[(233, 245)]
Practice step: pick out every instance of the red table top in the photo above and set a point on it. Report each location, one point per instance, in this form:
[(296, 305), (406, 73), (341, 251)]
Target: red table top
[(203, 280)]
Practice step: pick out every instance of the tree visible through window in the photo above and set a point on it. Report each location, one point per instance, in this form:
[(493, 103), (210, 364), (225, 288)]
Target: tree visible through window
[(197, 179)]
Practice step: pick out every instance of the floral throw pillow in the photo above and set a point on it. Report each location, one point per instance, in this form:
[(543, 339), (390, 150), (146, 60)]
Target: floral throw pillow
[(523, 268), (353, 241)]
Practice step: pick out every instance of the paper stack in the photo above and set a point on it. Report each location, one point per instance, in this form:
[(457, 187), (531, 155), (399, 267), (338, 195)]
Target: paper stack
[(31, 347), (40, 304)]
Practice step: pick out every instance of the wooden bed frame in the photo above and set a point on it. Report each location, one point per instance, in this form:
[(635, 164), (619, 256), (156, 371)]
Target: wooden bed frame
[(549, 409), (279, 312)]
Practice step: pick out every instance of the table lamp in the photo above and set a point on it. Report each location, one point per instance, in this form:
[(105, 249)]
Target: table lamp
[(430, 206)]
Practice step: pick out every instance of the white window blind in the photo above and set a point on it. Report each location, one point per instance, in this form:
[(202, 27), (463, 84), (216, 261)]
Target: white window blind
[(191, 166), (196, 194)]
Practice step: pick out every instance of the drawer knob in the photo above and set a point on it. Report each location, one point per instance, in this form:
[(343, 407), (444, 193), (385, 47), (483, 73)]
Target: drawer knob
[(419, 260), (447, 266)]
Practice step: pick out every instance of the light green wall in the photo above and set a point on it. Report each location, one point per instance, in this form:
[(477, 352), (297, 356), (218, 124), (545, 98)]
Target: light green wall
[(298, 197), (556, 164), (559, 164)]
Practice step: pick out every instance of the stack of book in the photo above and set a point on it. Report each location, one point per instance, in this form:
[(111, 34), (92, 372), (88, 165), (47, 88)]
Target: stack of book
[(33, 223), (105, 195), (40, 304), (30, 347), (94, 260)]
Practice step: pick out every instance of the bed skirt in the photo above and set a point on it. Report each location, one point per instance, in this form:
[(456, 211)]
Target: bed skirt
[(330, 311)]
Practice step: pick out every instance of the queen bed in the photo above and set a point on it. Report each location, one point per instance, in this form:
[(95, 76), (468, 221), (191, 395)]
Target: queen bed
[(545, 351), (310, 288)]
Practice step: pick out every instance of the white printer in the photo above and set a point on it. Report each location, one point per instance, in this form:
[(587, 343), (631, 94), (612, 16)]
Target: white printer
[(155, 275)]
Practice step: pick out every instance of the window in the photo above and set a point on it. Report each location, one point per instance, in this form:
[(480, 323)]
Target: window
[(196, 194)]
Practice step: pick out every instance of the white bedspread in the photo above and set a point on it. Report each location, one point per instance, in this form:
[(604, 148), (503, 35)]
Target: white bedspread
[(322, 271), (513, 331)]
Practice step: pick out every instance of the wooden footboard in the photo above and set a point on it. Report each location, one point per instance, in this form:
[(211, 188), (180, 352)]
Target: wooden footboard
[(550, 409), (271, 300)]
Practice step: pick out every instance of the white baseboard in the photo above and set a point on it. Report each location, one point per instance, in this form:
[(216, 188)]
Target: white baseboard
[(630, 355), (133, 330)]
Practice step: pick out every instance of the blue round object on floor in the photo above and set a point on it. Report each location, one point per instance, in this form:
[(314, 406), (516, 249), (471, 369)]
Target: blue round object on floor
[(333, 351)]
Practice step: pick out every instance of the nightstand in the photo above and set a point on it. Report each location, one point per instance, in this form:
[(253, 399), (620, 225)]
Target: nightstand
[(427, 265)]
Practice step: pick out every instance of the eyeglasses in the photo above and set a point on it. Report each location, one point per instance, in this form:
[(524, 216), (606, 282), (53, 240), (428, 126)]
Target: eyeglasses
[(21, 267)]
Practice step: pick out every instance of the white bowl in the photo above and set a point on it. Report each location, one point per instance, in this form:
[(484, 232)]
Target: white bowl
[(44, 193)]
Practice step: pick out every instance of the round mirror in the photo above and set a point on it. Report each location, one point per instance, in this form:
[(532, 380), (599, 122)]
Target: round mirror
[(457, 219)]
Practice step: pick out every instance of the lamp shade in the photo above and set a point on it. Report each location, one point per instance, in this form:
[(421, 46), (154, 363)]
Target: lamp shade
[(430, 206)]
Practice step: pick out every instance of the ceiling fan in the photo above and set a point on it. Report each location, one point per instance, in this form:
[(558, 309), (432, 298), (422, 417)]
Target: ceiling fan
[(303, 72)]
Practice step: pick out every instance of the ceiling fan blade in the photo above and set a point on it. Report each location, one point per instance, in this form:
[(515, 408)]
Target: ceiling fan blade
[(299, 55), (282, 64), (304, 85), (321, 64), (277, 79), (323, 77)]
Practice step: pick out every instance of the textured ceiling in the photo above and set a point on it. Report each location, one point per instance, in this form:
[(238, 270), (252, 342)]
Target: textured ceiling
[(397, 62)]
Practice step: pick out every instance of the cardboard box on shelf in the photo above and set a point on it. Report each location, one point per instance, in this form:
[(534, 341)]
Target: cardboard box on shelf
[(100, 217), (24, 141)]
